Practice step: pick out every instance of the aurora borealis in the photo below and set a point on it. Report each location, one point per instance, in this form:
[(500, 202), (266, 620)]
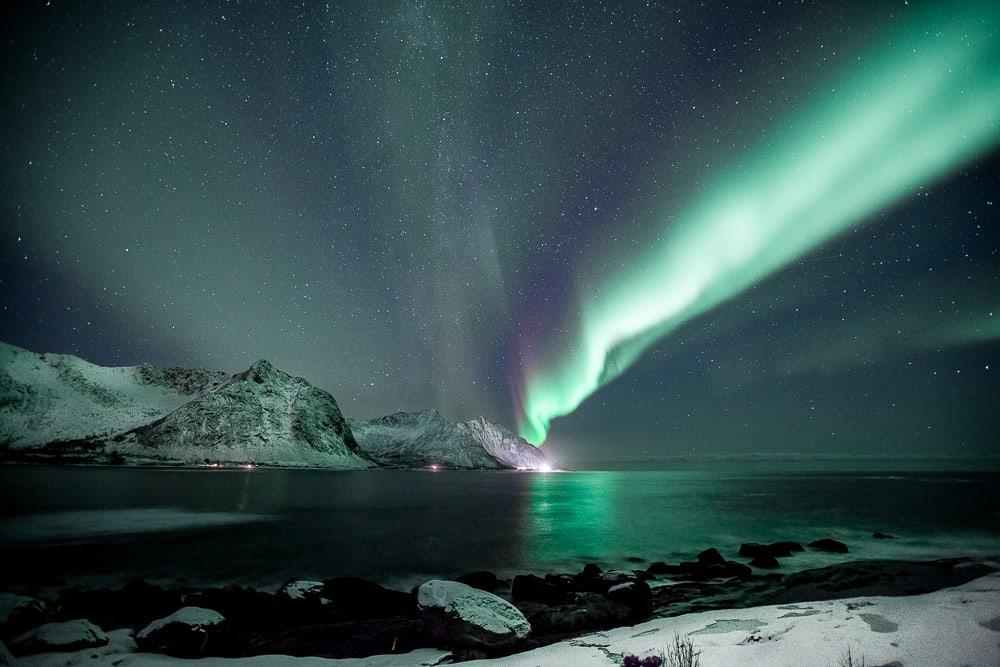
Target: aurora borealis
[(774, 227), (911, 113)]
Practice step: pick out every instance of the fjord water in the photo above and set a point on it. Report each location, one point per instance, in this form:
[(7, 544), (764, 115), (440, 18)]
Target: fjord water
[(104, 525)]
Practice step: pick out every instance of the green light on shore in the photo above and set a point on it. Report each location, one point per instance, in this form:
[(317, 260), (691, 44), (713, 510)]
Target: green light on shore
[(905, 116)]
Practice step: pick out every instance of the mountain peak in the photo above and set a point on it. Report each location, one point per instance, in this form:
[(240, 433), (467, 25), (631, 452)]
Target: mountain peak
[(262, 371), (261, 365)]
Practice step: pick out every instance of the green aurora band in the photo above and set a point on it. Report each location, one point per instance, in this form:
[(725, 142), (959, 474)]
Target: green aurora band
[(912, 112)]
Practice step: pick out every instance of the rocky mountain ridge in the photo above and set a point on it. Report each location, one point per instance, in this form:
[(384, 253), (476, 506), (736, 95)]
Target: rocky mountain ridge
[(426, 438), (60, 408)]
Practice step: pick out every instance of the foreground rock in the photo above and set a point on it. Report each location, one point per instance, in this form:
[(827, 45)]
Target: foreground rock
[(247, 609), (581, 613), (875, 577), (774, 550), (765, 562), (66, 636), (18, 613), (633, 594), (531, 588), (356, 598), (134, 605), (187, 633), (460, 614), (832, 546), (307, 591), (299, 620), (711, 564)]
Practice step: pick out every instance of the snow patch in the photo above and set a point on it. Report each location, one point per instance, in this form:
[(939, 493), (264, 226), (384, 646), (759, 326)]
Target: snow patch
[(196, 618), (479, 608), (299, 590)]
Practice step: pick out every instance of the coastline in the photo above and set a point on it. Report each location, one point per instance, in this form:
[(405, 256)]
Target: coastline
[(758, 617)]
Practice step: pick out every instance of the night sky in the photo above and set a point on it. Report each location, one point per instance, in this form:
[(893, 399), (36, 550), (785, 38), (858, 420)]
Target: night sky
[(767, 227)]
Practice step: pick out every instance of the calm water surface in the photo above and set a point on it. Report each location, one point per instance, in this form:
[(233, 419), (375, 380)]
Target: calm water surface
[(104, 525)]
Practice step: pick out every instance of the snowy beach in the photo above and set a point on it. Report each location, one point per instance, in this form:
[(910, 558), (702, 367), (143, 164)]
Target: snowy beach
[(953, 626)]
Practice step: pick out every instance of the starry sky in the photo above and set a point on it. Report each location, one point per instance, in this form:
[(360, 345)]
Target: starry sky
[(431, 204)]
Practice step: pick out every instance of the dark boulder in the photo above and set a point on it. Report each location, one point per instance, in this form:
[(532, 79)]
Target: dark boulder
[(827, 544), (300, 590), (356, 598), (697, 571), (591, 570), (190, 632), (726, 570), (298, 603), (786, 548), (244, 608), (585, 611), (865, 578), (711, 557), (659, 567), (753, 550), (765, 562), (635, 559), (134, 605), (731, 569), (564, 582), (882, 536), (615, 577), (528, 587), (19, 613), (64, 636), (604, 581), (635, 595), (774, 550), (484, 581)]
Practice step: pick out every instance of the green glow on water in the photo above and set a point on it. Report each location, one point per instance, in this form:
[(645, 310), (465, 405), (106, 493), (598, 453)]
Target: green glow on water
[(572, 513), (912, 111)]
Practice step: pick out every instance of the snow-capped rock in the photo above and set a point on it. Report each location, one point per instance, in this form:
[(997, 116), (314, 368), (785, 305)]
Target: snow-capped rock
[(46, 398), (262, 415), (426, 438), (65, 636), (461, 614), (18, 613), (303, 590), (185, 633)]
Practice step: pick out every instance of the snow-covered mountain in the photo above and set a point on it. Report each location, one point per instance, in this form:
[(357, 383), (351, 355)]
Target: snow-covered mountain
[(422, 439), (262, 415), (53, 397), (59, 407)]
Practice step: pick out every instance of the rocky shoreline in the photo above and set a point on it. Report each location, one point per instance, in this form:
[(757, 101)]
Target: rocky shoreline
[(477, 616)]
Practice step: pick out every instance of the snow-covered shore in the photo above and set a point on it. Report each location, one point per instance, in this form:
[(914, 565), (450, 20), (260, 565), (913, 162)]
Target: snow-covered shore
[(953, 626)]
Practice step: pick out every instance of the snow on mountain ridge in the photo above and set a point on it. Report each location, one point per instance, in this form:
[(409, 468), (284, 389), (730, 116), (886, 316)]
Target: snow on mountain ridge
[(426, 438), (52, 397), (60, 407), (262, 415)]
